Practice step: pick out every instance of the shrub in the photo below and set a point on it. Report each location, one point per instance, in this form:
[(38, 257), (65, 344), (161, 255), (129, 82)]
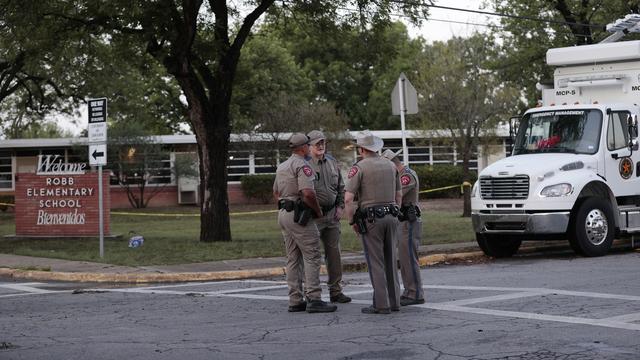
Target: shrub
[(258, 187), (6, 199), (437, 176)]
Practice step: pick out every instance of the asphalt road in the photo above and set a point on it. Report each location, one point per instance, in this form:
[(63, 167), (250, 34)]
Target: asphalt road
[(533, 307)]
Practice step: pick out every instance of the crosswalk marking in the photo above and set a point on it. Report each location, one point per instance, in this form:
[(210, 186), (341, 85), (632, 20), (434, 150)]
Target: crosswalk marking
[(624, 321)]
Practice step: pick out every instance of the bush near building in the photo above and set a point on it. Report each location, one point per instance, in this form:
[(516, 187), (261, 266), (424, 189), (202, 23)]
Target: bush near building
[(438, 176), (258, 187), (6, 199)]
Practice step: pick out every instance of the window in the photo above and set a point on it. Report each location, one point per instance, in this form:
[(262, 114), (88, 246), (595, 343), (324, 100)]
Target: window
[(617, 133), (563, 131), (6, 171)]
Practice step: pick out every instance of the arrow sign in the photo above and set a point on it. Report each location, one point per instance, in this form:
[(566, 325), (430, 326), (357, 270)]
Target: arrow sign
[(97, 154)]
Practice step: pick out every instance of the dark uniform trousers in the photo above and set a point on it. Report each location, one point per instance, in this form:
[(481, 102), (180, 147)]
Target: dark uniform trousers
[(302, 244), (409, 236), (380, 252), (330, 236)]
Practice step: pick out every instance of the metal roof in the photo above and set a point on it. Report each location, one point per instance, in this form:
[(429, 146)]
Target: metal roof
[(191, 139)]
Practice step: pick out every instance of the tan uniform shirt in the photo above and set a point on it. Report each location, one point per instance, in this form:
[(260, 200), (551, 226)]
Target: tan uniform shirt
[(328, 183), (374, 180), (410, 186), (292, 176)]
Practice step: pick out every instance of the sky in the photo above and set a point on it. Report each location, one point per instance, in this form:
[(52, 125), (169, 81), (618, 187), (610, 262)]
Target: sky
[(444, 23), (441, 26)]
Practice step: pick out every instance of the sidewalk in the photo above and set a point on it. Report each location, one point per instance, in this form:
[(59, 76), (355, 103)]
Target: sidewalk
[(46, 269)]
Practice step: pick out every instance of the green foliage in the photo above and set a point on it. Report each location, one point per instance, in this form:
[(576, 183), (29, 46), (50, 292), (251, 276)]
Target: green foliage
[(438, 176), (258, 187), (6, 199), (525, 42)]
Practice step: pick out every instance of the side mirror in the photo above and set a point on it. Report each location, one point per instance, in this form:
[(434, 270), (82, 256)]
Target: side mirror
[(632, 124)]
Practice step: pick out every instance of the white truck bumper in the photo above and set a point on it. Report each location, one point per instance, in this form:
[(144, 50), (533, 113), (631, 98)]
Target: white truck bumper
[(521, 223)]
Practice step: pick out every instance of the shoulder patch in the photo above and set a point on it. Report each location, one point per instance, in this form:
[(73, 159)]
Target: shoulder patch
[(307, 170), (352, 172), (405, 179)]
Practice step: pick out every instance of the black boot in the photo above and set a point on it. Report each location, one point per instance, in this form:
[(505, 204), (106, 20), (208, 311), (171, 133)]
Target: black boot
[(318, 306)]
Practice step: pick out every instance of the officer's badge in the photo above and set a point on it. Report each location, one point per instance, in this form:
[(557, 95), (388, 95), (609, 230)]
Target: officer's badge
[(405, 180), (626, 168), (307, 170), (352, 172)]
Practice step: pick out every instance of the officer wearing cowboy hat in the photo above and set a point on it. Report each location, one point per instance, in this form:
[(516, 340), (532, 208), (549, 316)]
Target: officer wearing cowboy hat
[(293, 187), (375, 182), (329, 188), (409, 232)]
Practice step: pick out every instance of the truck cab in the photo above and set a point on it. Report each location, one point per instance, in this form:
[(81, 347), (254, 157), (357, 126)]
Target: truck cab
[(575, 168)]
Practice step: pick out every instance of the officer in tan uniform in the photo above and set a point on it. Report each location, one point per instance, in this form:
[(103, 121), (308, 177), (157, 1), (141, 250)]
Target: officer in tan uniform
[(297, 203), (329, 188), (375, 183), (409, 232)]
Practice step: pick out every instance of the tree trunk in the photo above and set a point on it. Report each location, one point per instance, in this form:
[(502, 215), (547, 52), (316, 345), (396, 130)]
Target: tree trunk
[(214, 205)]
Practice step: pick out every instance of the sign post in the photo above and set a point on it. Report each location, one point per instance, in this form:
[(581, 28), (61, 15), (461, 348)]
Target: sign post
[(98, 152), (404, 99)]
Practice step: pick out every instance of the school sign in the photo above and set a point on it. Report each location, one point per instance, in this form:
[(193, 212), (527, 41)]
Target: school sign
[(59, 199)]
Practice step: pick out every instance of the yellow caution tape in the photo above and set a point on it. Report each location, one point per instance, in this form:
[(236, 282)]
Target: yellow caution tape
[(7, 204), (466, 183), (190, 215)]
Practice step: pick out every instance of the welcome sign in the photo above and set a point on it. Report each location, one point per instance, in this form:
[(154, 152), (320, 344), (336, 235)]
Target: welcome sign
[(60, 199)]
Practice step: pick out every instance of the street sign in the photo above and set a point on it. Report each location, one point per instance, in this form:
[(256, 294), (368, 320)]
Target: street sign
[(97, 110), (406, 102), (98, 150), (98, 132), (98, 154)]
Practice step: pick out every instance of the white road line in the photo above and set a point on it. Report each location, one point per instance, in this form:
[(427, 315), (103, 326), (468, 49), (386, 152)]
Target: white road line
[(625, 318), (32, 294), (511, 296), (532, 316), (27, 288)]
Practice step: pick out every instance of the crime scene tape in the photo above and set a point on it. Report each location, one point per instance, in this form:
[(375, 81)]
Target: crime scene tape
[(466, 183), (189, 215)]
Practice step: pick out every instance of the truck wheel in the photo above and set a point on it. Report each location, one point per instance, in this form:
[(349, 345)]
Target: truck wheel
[(593, 228), (497, 245)]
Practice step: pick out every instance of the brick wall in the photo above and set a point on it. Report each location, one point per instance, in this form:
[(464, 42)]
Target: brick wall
[(42, 208)]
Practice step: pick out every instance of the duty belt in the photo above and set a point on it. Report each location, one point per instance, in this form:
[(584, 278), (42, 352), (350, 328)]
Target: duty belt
[(286, 204), (380, 211)]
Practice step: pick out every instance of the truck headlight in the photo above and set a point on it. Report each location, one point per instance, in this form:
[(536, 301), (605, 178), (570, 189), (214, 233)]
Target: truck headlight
[(556, 190), (474, 190)]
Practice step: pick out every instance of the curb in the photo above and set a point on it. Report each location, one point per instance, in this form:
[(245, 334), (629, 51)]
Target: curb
[(139, 278), (142, 278)]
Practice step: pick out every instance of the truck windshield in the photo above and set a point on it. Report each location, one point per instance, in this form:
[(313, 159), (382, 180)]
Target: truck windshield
[(565, 131)]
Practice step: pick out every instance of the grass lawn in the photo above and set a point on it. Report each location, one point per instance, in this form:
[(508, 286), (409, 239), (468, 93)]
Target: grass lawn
[(174, 239)]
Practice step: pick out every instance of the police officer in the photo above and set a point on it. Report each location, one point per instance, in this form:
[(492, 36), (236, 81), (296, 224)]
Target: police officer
[(297, 202), (374, 181), (409, 232), (329, 188)]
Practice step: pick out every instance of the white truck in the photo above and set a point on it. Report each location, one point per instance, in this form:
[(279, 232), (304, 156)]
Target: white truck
[(575, 168)]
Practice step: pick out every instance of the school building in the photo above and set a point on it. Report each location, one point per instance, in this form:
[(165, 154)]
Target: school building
[(247, 155)]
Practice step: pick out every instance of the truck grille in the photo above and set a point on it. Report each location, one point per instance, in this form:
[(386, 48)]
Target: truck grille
[(504, 188)]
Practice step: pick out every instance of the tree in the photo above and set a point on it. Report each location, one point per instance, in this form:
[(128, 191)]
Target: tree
[(51, 62), (198, 45), (525, 41), (137, 161), (460, 95), (349, 63)]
